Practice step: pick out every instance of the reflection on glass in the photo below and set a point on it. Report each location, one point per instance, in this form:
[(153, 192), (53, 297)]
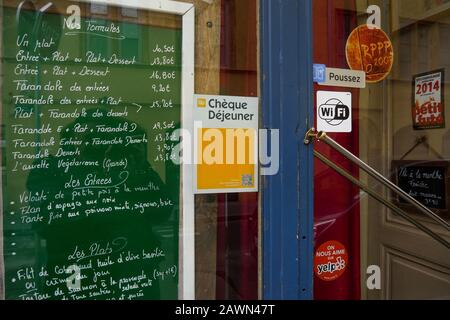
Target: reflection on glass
[(389, 135), (91, 196)]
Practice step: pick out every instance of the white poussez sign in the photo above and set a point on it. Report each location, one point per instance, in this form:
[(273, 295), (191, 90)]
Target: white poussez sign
[(344, 78)]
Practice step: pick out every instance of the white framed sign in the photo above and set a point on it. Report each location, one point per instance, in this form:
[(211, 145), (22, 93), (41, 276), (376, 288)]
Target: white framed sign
[(344, 78), (428, 109), (334, 111), (225, 144)]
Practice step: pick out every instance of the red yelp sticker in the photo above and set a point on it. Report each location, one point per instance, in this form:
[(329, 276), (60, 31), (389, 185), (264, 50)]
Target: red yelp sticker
[(330, 261)]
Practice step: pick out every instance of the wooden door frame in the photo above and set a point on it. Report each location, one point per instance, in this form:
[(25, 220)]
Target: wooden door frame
[(287, 105)]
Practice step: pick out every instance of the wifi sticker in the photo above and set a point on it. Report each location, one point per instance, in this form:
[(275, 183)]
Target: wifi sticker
[(334, 111)]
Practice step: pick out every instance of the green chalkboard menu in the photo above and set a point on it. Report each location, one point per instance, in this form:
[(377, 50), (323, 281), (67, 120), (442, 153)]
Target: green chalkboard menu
[(90, 194)]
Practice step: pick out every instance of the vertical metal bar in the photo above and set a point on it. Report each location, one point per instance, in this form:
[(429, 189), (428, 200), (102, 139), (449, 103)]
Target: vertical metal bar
[(379, 177)]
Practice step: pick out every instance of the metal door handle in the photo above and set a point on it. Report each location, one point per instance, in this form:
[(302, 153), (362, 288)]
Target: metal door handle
[(322, 136)]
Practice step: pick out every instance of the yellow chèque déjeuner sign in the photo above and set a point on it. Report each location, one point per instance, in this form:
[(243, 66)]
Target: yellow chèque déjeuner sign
[(226, 144)]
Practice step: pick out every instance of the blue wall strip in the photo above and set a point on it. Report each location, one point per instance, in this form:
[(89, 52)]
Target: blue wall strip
[(286, 41)]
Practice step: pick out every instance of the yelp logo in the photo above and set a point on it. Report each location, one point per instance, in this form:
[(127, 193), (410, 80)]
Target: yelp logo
[(331, 267), (330, 260)]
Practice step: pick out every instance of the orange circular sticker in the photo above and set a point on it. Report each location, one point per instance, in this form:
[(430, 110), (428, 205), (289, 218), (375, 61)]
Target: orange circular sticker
[(330, 260), (369, 49)]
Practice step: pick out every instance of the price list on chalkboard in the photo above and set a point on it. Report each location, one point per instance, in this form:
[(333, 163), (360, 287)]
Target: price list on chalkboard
[(426, 181), (90, 191)]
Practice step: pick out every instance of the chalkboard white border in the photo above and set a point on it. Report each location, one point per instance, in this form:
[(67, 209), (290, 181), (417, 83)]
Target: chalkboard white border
[(2, 260), (187, 249), (187, 233)]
